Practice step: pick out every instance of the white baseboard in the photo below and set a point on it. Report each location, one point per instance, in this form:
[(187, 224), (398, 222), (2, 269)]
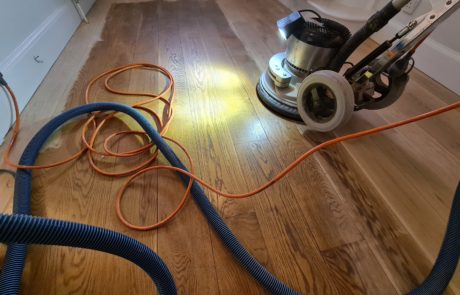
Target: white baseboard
[(21, 70), (433, 58)]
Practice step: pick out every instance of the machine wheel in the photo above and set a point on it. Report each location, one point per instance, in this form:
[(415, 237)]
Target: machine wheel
[(395, 90), (325, 101)]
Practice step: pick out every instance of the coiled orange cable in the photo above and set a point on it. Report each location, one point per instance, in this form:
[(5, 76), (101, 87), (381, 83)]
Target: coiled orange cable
[(89, 148), (162, 126)]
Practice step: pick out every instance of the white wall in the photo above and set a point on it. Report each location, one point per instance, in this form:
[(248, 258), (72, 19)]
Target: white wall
[(439, 55), (444, 34), (31, 28), (21, 18)]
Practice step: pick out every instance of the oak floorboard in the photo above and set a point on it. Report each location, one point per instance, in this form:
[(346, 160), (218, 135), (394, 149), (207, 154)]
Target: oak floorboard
[(358, 218)]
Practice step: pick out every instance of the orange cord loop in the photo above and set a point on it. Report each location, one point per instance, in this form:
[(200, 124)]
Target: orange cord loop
[(133, 177), (162, 125)]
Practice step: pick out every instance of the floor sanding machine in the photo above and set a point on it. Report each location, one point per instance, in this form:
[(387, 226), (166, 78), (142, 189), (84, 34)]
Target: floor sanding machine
[(307, 83)]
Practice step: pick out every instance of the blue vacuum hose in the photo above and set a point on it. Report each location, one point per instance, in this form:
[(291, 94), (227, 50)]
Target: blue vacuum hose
[(446, 262), (21, 230), (10, 277), (28, 229)]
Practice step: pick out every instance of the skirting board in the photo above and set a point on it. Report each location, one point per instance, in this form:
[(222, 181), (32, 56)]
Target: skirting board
[(436, 60), (25, 68)]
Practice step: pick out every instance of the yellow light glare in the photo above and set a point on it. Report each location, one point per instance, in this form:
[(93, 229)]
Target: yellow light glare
[(224, 79), (223, 98)]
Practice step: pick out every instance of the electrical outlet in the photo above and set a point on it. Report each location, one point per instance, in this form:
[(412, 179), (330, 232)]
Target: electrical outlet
[(410, 7)]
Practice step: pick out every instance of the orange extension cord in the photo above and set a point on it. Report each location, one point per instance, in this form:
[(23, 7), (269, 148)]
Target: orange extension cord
[(162, 126)]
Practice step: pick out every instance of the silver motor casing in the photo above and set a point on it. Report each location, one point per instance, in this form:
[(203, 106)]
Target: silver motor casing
[(310, 47), (286, 70), (307, 58)]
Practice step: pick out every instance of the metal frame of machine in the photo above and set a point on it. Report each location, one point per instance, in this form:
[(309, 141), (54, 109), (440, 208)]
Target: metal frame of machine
[(303, 83)]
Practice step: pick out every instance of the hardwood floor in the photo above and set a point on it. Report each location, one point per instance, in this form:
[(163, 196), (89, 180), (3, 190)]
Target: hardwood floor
[(364, 217)]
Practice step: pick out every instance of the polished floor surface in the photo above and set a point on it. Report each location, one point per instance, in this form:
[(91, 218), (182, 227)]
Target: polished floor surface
[(364, 217)]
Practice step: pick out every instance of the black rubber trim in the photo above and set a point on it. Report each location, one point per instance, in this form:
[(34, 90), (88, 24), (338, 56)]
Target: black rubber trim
[(277, 107), (326, 34)]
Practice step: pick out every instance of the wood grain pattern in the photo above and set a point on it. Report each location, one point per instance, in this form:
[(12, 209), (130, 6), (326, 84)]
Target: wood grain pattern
[(357, 270), (365, 217)]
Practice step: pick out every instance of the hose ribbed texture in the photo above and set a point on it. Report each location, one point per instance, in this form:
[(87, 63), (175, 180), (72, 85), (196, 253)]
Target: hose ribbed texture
[(447, 260), (11, 276), (36, 230)]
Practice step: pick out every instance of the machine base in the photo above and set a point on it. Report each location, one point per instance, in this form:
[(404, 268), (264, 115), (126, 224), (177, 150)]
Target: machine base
[(273, 104)]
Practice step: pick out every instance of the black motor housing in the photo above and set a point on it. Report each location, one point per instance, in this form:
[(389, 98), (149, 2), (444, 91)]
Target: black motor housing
[(314, 44)]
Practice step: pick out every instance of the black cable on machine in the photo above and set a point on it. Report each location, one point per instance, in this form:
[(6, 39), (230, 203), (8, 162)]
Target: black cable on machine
[(312, 11), (375, 23), (370, 57)]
